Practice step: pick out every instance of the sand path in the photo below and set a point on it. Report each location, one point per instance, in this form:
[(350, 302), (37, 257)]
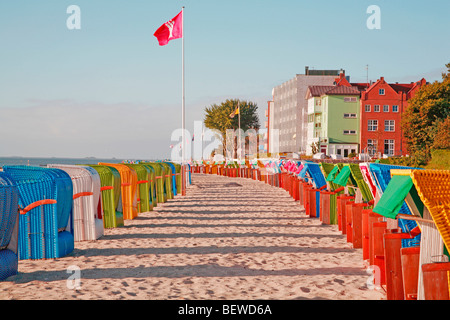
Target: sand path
[(228, 238)]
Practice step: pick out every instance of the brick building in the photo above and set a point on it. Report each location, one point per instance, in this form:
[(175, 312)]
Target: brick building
[(382, 106)]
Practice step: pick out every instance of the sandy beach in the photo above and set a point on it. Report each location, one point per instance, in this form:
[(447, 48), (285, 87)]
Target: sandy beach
[(227, 239)]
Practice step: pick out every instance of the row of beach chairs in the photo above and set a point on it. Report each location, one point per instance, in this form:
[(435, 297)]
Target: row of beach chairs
[(398, 216), (45, 210)]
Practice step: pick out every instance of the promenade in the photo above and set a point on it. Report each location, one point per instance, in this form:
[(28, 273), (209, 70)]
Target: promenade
[(226, 239)]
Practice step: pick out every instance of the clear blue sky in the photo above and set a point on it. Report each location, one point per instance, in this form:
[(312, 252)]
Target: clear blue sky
[(109, 90)]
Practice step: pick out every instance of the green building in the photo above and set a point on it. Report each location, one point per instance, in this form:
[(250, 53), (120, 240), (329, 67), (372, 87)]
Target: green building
[(333, 119)]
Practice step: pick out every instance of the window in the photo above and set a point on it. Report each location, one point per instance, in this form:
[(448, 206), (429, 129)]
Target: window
[(389, 125), (394, 108), (367, 108), (349, 115), (372, 146), (381, 92), (386, 108), (372, 125), (376, 108), (349, 99), (389, 147), (349, 131)]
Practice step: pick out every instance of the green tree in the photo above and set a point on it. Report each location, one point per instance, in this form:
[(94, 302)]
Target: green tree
[(427, 115), (217, 117)]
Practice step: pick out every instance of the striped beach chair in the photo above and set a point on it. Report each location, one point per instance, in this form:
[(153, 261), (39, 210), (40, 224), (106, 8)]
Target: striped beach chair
[(87, 205), (152, 182), (168, 180), (9, 226), (173, 179), (128, 180), (45, 199), (382, 177), (427, 196), (111, 190), (143, 188)]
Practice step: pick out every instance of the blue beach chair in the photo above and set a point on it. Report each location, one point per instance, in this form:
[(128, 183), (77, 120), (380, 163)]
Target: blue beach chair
[(45, 199), (382, 175), (9, 208)]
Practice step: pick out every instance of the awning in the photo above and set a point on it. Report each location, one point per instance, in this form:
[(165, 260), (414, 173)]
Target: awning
[(394, 196)]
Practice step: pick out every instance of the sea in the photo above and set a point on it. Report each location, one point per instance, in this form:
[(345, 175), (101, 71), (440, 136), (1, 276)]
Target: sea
[(43, 162)]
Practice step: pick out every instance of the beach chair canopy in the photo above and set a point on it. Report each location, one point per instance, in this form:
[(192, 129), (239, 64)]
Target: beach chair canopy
[(315, 174)]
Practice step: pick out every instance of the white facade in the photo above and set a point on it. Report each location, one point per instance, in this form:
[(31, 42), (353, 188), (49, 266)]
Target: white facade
[(315, 121), (290, 109)]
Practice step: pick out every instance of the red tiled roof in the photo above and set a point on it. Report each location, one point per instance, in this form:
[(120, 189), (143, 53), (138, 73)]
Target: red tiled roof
[(360, 86), (403, 87), (338, 90), (317, 91)]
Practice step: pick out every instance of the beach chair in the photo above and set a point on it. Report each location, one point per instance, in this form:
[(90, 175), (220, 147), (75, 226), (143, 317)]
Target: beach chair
[(329, 197), (365, 171), (110, 190), (45, 199), (128, 178), (168, 180), (143, 187), (87, 208), (173, 178), (382, 176), (426, 193), (152, 181), (9, 226), (312, 173), (160, 181)]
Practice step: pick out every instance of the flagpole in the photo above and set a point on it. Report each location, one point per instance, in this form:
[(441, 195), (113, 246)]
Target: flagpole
[(183, 154), (240, 144)]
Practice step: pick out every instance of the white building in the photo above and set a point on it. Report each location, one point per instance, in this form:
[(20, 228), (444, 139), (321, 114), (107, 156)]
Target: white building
[(289, 111)]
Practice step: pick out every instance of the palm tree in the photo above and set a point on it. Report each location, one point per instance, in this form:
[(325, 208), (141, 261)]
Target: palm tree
[(219, 117)]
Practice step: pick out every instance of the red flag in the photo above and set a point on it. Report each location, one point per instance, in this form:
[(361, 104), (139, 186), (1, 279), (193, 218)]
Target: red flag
[(172, 29)]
